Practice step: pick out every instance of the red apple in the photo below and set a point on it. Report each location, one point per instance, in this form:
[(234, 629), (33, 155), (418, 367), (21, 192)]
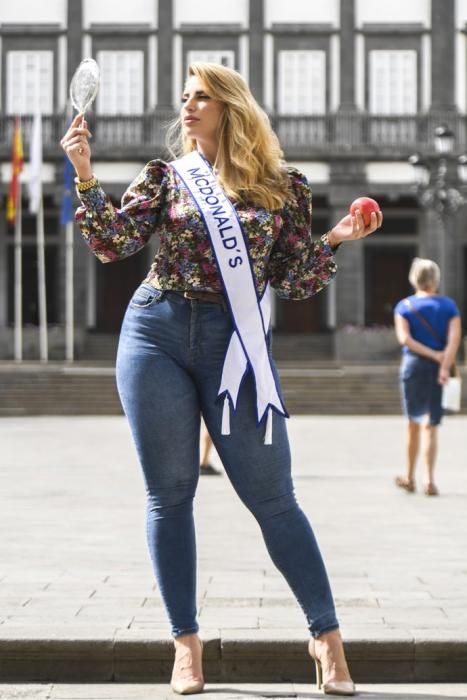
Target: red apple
[(366, 206)]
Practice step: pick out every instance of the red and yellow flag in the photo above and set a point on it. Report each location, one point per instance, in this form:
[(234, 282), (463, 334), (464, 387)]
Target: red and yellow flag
[(17, 159)]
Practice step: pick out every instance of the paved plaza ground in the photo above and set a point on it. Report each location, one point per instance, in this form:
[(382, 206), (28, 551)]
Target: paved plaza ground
[(74, 566), (230, 691)]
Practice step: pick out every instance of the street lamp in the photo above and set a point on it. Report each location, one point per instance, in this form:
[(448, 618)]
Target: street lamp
[(444, 139), (437, 185)]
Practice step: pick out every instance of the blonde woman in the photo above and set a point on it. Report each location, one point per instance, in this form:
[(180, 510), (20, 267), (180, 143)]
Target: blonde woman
[(428, 327), (232, 219)]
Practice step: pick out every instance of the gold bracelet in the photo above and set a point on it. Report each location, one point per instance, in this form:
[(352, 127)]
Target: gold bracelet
[(326, 241), (82, 186)]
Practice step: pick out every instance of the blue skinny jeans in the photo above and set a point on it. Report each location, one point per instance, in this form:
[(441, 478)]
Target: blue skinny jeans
[(169, 363)]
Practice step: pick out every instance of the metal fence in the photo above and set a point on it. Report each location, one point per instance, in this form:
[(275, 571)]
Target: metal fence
[(333, 133)]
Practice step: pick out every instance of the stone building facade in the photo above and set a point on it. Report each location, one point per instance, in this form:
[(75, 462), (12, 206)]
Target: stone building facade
[(353, 87)]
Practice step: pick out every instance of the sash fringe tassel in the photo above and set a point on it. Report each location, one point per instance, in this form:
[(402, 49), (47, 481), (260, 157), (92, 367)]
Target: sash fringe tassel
[(225, 430), (268, 431)]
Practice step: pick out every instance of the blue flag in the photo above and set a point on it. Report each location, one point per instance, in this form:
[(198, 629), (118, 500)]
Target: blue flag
[(66, 212)]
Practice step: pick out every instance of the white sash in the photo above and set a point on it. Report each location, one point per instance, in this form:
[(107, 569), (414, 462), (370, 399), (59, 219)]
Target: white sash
[(251, 317)]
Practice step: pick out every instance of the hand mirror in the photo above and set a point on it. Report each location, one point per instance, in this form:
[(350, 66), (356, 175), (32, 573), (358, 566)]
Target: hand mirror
[(84, 84)]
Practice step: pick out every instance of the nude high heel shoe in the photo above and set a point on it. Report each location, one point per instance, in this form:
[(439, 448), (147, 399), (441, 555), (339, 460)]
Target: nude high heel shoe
[(329, 687), (186, 680)]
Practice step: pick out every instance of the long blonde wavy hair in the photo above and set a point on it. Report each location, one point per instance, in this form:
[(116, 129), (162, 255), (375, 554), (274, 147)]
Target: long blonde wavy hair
[(249, 160)]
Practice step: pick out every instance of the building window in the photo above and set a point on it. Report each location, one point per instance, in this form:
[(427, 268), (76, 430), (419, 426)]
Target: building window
[(302, 82), (29, 82), (122, 82), (393, 95), (120, 97), (301, 98), (224, 58), (393, 82)]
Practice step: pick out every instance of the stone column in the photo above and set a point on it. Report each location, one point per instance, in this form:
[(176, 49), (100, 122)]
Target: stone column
[(81, 254), (256, 48), (444, 101), (440, 242), (347, 125), (347, 55), (350, 282), (165, 56), (347, 183), (74, 36), (443, 55)]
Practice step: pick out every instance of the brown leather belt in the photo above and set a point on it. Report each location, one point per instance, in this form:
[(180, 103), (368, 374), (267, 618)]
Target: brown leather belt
[(211, 297)]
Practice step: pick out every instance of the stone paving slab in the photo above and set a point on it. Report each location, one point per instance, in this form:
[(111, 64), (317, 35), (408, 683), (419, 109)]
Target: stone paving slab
[(74, 569), (231, 691)]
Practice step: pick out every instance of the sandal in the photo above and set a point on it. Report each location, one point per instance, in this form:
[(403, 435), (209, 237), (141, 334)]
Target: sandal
[(209, 470), (431, 490), (406, 484)]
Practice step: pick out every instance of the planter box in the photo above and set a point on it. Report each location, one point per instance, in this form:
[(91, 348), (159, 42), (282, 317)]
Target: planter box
[(361, 344), (55, 337)]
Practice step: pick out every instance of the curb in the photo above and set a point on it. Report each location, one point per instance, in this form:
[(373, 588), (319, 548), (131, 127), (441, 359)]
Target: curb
[(230, 658)]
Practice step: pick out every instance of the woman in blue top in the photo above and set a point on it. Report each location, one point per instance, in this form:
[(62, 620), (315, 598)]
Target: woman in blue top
[(428, 328)]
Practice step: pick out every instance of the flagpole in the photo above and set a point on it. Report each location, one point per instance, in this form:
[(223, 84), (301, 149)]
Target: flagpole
[(43, 344), (14, 217), (66, 219), (69, 293), (36, 206), (18, 264)]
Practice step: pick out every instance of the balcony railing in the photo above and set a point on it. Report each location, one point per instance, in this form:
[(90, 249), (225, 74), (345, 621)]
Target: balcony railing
[(125, 133), (307, 136), (353, 131)]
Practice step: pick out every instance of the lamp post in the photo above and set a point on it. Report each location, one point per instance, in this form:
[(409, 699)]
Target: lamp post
[(437, 187)]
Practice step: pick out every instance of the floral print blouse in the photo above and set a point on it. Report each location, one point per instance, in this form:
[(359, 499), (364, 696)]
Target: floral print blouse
[(279, 241)]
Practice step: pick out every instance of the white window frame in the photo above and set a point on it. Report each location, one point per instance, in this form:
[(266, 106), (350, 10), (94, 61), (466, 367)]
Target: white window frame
[(30, 82), (393, 82), (302, 82), (224, 58), (121, 90)]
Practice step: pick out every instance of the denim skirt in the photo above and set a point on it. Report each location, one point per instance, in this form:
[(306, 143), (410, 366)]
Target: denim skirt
[(420, 391)]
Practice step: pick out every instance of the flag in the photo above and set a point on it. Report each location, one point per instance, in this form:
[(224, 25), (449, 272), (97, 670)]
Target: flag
[(66, 212), (16, 168), (35, 172)]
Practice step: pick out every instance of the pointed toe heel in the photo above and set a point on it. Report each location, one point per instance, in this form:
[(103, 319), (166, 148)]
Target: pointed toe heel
[(343, 688), (187, 687), (339, 688), (184, 681)]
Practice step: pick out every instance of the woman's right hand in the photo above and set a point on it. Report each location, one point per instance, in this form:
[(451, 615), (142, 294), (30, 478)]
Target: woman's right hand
[(76, 145)]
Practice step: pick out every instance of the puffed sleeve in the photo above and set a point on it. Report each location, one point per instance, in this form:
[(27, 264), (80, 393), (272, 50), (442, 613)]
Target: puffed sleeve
[(113, 234), (299, 268)]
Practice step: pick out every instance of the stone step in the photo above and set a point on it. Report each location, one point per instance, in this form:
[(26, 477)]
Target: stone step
[(299, 347), (79, 389), (235, 656), (100, 346), (303, 347)]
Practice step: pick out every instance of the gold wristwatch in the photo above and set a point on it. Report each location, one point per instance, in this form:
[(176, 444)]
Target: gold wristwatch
[(83, 185)]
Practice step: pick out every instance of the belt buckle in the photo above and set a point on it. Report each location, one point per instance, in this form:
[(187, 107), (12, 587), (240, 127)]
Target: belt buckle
[(188, 294)]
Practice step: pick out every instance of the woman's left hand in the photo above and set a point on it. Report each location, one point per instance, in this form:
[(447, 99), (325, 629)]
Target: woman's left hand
[(352, 228), (443, 375)]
